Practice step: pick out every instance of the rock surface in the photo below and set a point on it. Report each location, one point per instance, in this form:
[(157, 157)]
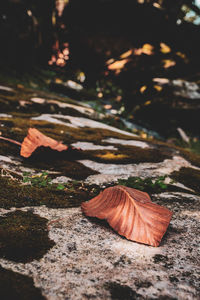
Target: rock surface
[(84, 258)]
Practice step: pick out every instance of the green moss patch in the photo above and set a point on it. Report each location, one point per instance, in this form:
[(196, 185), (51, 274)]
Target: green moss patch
[(17, 287), (23, 236), (152, 185), (189, 177), (12, 194)]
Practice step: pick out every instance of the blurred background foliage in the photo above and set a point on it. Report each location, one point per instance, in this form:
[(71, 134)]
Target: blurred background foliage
[(138, 58)]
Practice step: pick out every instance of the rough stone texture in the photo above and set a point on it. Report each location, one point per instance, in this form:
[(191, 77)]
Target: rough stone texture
[(79, 122), (89, 260), (88, 255), (128, 143), (91, 146), (141, 170), (6, 88)]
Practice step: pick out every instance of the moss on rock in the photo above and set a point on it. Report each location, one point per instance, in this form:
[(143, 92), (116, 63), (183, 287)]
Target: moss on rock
[(63, 163), (191, 157), (15, 286), (19, 100), (153, 185), (12, 194), (126, 154), (189, 177), (23, 236), (17, 127)]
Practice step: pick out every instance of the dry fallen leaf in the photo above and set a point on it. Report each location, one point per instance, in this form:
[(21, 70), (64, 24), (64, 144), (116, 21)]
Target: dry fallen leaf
[(36, 139), (131, 213)]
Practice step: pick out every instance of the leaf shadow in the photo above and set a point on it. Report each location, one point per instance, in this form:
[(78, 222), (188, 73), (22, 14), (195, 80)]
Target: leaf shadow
[(104, 224)]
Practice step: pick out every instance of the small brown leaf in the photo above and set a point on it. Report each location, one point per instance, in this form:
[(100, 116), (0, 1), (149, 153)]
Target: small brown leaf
[(36, 139), (131, 213)]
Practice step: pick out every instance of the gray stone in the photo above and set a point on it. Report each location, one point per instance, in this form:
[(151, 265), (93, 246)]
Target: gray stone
[(89, 257), (90, 260)]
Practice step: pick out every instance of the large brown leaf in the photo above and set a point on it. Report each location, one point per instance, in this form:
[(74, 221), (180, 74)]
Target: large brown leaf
[(36, 139), (131, 213)]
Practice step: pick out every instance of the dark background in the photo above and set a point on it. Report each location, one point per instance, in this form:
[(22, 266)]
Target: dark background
[(31, 31)]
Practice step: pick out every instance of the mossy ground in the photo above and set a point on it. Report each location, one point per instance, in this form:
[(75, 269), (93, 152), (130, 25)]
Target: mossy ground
[(66, 163), (13, 194), (15, 286), (191, 157), (21, 122), (63, 163), (154, 185), (23, 236), (17, 127), (127, 154), (189, 177)]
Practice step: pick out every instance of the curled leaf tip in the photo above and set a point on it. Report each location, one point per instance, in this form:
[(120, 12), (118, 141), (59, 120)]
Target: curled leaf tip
[(131, 213), (36, 139)]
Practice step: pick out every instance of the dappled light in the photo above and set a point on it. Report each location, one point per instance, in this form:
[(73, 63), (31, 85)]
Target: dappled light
[(60, 5), (118, 65), (126, 54), (60, 56), (167, 63), (99, 149), (145, 49), (164, 48)]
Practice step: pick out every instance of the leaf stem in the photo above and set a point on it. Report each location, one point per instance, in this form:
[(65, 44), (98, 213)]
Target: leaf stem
[(10, 140)]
